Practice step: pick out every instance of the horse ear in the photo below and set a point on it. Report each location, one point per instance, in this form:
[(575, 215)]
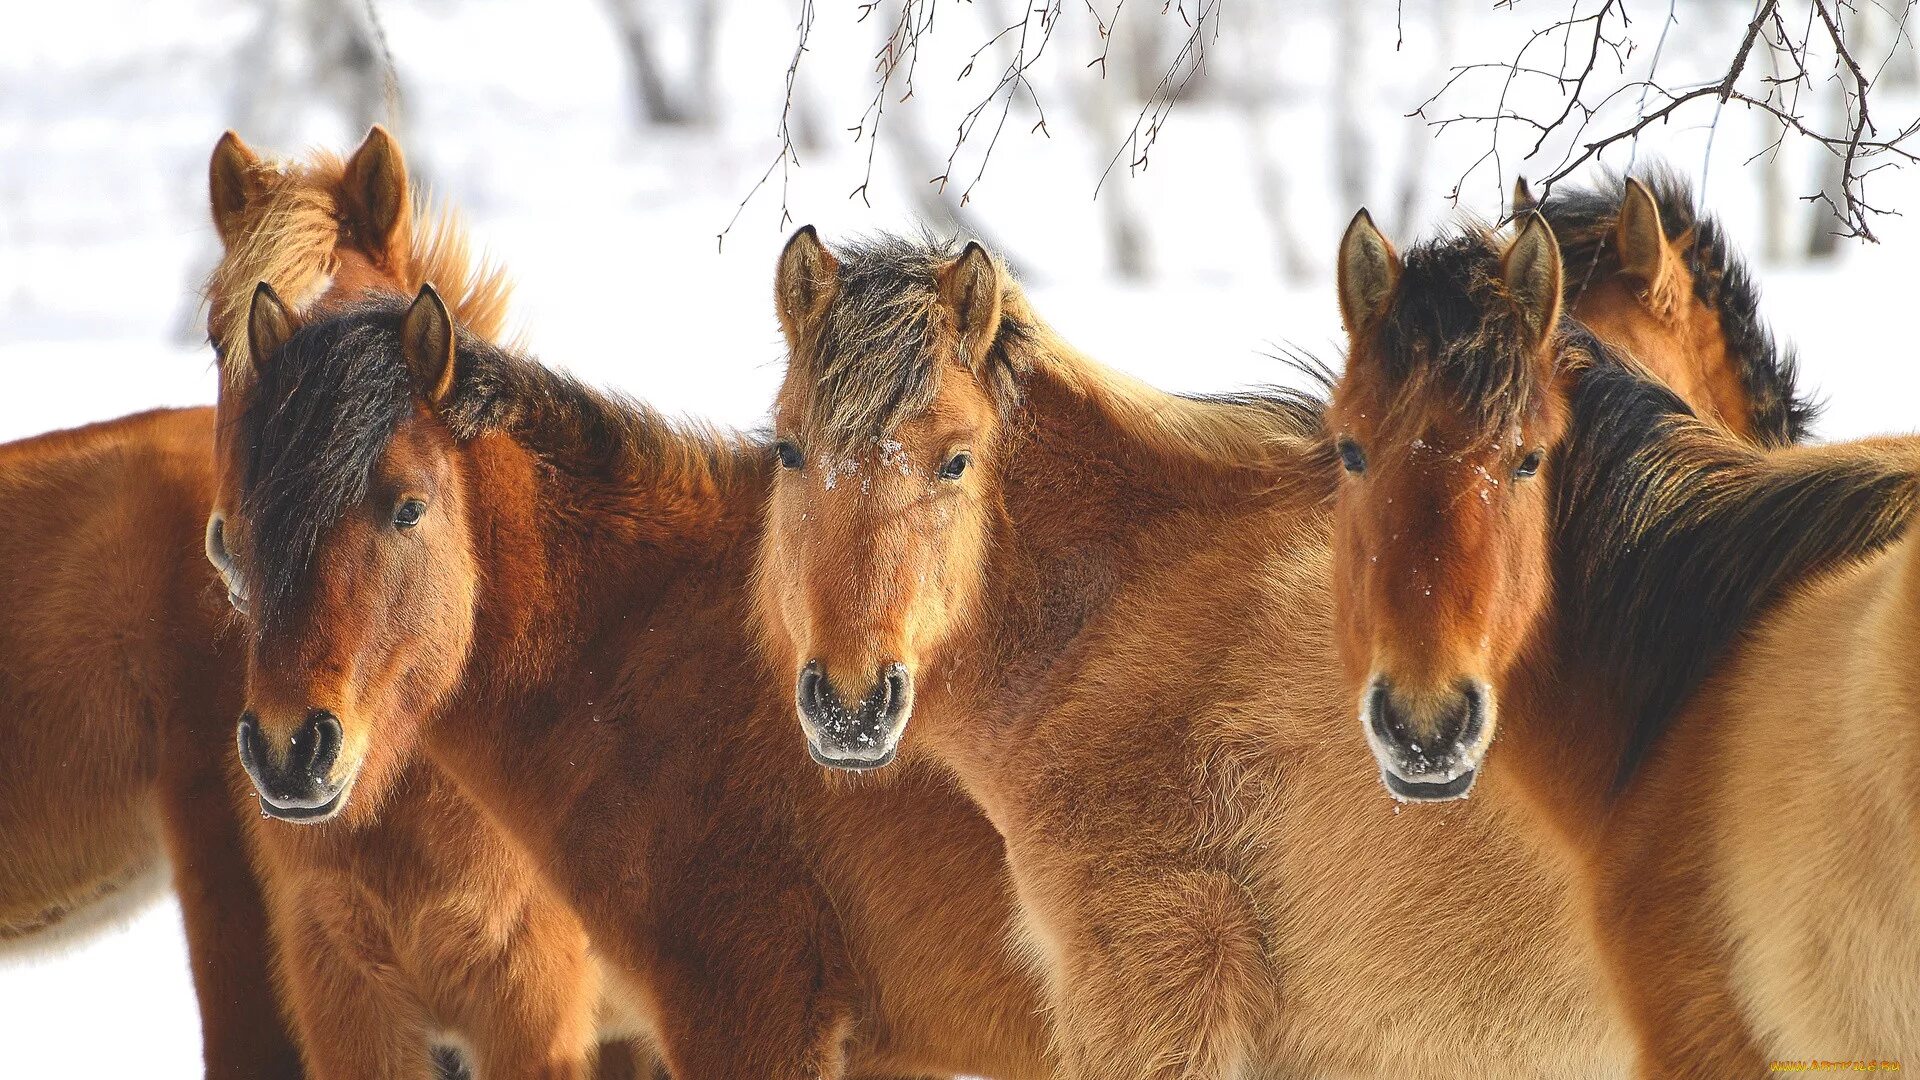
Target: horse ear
[(1369, 270), (269, 325), (1530, 267), (970, 288), (803, 283), (375, 195), (232, 181), (1641, 238), (427, 342), (1523, 199)]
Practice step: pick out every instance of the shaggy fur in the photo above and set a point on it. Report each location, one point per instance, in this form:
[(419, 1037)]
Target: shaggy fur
[(564, 632), (116, 709), (1665, 544), (425, 923), (322, 415), (1117, 624), (868, 359), (1672, 537), (291, 224), (1451, 333), (1773, 409)]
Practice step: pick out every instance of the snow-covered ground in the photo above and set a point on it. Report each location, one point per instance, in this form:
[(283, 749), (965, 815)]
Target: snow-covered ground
[(518, 113)]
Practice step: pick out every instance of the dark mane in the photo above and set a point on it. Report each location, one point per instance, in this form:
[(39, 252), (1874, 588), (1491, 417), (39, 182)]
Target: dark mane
[(329, 402), (1583, 220), (1671, 538), (875, 363), (872, 365), (1452, 331)]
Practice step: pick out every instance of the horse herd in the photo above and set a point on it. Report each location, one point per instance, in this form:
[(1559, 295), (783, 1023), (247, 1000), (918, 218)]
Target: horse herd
[(1108, 681)]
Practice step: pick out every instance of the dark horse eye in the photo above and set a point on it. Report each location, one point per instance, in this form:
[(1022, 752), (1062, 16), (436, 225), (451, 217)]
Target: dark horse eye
[(956, 465), (1352, 458), (788, 454), (1529, 465), (409, 514)]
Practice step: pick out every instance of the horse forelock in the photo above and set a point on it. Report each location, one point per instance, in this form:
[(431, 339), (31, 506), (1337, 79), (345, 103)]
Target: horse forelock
[(290, 239), (329, 403), (875, 359), (1452, 337), (321, 415)]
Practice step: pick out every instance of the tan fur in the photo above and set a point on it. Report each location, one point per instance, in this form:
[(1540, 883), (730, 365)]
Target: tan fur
[(595, 687), (115, 689), (1752, 890), (421, 921), (1822, 893), (297, 234), (1117, 623), (1759, 878), (1636, 292)]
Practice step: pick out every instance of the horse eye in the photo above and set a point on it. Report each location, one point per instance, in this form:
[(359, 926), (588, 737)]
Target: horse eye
[(409, 514), (788, 454), (1529, 465), (956, 465), (1352, 458)]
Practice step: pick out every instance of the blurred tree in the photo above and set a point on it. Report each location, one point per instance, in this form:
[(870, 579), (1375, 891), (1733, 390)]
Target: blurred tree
[(658, 97)]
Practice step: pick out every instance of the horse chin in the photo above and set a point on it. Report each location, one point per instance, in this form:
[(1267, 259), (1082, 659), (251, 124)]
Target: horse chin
[(873, 753), (851, 764), (310, 815), (1428, 791)]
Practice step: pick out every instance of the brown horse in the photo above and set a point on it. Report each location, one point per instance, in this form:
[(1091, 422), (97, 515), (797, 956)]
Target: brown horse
[(1654, 278), (1105, 609), (115, 677), (421, 923), (444, 546), (1537, 538)]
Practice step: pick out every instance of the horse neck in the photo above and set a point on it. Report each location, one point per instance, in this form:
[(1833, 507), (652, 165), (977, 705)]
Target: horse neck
[(1888, 638), (1560, 743), (1722, 537), (1088, 476), (576, 555)]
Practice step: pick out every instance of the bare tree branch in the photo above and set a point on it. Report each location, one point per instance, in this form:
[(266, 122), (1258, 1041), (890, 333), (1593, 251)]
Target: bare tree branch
[(1600, 43)]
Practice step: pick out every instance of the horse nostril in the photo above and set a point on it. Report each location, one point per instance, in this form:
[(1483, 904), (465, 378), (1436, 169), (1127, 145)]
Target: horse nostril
[(808, 692), (327, 740), (315, 746), (1476, 713), (1389, 726), (897, 682), (253, 749)]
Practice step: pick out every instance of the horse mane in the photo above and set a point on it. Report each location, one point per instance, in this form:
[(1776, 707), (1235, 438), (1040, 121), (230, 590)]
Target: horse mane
[(1584, 220), (331, 400), (876, 362), (290, 241), (1671, 538), (1452, 331)]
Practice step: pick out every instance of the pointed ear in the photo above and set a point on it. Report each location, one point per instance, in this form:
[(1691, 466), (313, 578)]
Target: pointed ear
[(804, 282), (427, 342), (970, 289), (1369, 270), (1530, 267), (1641, 238), (374, 196), (233, 181), (1523, 199), (269, 325)]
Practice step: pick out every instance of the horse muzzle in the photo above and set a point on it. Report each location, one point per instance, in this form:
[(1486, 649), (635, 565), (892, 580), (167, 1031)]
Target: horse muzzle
[(865, 735)]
